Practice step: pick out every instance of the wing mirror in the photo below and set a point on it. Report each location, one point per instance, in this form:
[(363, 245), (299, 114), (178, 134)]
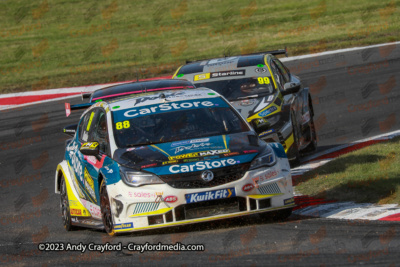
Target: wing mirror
[(90, 149), (291, 88), (70, 129)]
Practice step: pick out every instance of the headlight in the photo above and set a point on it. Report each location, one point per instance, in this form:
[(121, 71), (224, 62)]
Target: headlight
[(273, 119), (136, 178), (266, 159)]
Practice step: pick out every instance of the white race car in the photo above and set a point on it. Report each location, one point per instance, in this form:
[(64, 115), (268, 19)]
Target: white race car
[(168, 158)]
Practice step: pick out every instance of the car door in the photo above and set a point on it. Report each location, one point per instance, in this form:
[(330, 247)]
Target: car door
[(75, 158), (98, 132)]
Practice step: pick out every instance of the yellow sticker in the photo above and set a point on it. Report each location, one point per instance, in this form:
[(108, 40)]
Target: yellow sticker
[(184, 156), (90, 145), (90, 122), (203, 76), (263, 80), (124, 124)]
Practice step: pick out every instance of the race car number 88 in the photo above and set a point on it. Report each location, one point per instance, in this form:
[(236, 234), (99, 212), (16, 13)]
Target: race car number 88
[(124, 124), (263, 80)]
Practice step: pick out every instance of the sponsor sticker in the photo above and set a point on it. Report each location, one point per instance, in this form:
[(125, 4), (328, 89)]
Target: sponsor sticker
[(267, 111), (228, 73), (169, 162), (90, 145), (264, 177), (122, 115), (77, 212), (89, 184), (203, 76), (214, 152), (288, 201), (247, 102), (123, 226), (170, 199), (210, 195), (247, 187)]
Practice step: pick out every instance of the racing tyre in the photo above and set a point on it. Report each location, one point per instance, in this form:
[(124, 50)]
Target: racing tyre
[(295, 153), (64, 205), (313, 144), (106, 209)]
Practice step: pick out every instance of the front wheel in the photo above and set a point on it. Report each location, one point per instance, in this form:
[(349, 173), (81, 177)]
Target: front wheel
[(106, 209), (64, 205), (313, 143)]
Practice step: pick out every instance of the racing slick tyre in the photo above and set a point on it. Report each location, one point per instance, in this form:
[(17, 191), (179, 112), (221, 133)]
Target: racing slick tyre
[(313, 144), (106, 209), (295, 153), (64, 205)]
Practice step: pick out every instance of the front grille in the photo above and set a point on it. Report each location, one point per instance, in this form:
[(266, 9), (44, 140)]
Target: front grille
[(269, 189), (210, 208), (193, 179)]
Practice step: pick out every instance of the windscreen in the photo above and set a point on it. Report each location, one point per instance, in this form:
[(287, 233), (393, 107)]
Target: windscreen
[(178, 121), (241, 88)]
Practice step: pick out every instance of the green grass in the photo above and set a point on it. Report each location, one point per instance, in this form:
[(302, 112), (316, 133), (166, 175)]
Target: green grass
[(58, 43), (369, 175)]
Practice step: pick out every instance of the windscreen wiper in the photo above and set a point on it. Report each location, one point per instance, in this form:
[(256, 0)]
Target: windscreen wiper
[(247, 97)]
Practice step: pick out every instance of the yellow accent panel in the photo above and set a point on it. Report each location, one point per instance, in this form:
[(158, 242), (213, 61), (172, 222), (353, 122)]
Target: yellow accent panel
[(203, 76), (160, 211), (272, 75), (90, 121), (72, 198), (256, 116), (156, 147), (224, 138), (176, 72), (289, 142), (264, 196), (209, 218)]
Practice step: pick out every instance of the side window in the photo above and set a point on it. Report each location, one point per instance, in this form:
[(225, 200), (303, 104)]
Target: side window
[(85, 125), (283, 70), (100, 131), (277, 74)]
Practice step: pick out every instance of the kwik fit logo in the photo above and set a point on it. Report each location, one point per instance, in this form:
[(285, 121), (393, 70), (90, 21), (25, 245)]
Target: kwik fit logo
[(210, 195)]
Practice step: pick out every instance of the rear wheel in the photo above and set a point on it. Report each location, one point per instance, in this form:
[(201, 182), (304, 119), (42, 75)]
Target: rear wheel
[(64, 205), (106, 209)]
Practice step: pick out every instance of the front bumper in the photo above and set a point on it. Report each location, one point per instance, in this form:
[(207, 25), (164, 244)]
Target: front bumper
[(156, 206)]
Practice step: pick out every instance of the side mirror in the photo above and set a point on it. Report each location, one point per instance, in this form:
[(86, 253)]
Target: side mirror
[(90, 149), (291, 88), (260, 125), (70, 129)]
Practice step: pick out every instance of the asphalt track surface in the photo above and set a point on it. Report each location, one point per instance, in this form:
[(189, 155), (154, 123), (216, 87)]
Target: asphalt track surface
[(356, 95)]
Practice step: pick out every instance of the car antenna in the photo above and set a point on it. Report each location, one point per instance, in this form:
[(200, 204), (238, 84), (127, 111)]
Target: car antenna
[(163, 97)]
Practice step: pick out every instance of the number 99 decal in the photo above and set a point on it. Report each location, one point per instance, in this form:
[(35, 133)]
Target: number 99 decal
[(124, 124), (263, 80)]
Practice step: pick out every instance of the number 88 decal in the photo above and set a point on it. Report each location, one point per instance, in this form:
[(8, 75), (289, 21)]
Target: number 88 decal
[(263, 80), (124, 124)]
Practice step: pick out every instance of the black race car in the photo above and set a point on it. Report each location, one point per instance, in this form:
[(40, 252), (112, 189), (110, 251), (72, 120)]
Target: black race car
[(264, 91), (126, 89)]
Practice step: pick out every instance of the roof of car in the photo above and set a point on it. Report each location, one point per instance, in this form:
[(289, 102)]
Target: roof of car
[(151, 98), (218, 63), (138, 87)]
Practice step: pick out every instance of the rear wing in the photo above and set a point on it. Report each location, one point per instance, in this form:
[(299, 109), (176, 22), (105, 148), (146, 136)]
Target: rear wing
[(272, 52), (69, 108)]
